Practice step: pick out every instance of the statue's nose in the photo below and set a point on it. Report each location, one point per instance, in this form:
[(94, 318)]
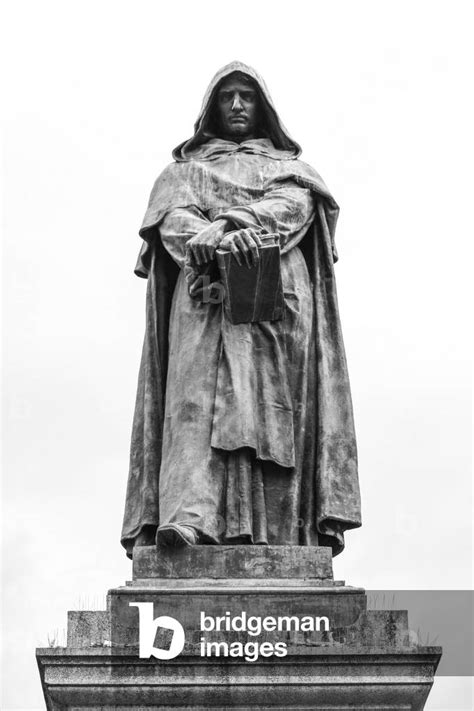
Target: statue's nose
[(236, 104)]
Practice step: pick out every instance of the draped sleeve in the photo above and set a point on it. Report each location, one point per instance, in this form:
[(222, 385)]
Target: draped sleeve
[(177, 227), (287, 210)]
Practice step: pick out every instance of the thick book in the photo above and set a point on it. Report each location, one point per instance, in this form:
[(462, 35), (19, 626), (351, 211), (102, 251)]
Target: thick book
[(253, 293)]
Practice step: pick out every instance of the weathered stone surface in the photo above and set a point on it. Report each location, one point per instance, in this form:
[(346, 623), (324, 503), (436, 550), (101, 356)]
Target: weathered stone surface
[(228, 562), (367, 659), (316, 678), (88, 628), (342, 605)]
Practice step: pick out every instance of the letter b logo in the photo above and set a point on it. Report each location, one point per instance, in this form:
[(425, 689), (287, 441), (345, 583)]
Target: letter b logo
[(147, 632)]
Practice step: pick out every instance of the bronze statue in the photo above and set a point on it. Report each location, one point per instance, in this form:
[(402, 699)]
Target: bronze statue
[(243, 432)]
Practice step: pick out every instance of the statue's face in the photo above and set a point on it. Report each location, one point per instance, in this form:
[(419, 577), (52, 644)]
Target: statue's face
[(238, 108)]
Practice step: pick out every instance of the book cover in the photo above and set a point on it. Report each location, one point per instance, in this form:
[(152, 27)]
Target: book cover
[(255, 293)]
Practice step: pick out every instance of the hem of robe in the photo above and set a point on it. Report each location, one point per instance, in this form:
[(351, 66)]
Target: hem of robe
[(128, 542), (259, 456), (348, 523), (334, 538), (334, 541)]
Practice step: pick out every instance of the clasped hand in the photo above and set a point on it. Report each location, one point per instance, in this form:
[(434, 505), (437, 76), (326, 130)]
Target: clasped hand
[(243, 243), (202, 247)]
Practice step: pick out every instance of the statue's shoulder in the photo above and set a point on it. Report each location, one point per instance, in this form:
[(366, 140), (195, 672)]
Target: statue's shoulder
[(170, 177), (176, 185), (303, 174), (170, 171), (306, 170), (178, 170)]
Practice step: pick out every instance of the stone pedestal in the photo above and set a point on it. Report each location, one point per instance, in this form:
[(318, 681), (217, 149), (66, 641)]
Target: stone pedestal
[(365, 660)]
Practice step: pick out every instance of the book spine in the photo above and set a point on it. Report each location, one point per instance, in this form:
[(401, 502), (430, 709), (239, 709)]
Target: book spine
[(222, 262)]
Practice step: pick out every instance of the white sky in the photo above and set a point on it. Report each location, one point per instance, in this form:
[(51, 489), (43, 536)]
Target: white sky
[(96, 96)]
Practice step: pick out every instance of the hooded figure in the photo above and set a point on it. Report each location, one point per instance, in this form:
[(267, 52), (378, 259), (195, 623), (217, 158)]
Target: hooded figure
[(242, 433)]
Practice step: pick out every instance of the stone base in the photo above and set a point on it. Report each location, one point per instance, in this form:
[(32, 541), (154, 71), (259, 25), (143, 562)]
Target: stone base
[(318, 680), (365, 661)]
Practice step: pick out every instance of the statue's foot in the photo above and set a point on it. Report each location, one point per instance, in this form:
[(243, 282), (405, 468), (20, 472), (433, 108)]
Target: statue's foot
[(176, 535)]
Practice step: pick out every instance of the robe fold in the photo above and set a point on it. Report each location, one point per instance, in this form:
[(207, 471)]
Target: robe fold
[(244, 432)]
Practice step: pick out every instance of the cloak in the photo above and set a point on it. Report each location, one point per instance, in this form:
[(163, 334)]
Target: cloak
[(199, 177)]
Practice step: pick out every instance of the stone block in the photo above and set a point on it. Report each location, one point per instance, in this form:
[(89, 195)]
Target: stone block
[(230, 562)]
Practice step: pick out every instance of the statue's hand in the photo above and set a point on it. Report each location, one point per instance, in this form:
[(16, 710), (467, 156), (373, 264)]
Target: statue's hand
[(201, 248), (243, 244)]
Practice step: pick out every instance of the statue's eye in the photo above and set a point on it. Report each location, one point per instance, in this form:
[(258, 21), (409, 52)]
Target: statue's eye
[(225, 95), (248, 96)]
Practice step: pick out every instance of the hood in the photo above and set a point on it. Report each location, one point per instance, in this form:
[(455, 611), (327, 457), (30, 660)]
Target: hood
[(271, 123)]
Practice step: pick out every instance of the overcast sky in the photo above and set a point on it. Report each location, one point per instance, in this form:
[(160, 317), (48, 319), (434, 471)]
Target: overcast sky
[(97, 95)]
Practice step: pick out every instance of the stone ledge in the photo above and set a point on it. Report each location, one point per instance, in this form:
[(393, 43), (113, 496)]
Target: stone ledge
[(308, 655), (320, 680), (238, 585)]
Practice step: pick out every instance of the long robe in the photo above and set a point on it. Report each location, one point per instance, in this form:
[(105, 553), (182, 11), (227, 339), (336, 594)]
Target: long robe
[(244, 432)]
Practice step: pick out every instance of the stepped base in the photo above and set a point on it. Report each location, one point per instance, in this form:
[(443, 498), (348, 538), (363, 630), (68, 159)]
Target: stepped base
[(361, 660)]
